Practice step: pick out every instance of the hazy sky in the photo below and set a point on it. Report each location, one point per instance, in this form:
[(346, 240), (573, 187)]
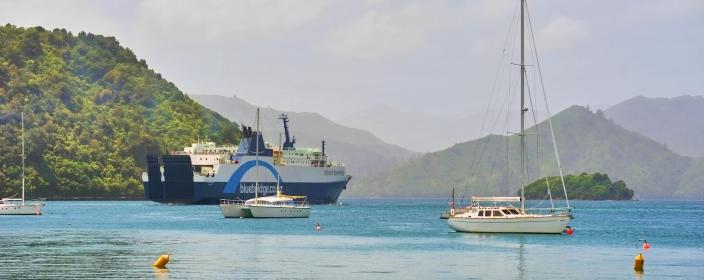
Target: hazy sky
[(434, 57)]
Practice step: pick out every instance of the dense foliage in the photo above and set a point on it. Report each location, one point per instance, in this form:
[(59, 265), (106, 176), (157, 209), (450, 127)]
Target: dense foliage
[(92, 112), (596, 186)]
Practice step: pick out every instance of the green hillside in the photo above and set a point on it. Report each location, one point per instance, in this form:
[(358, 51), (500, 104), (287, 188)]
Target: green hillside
[(585, 186), (587, 142), (92, 112)]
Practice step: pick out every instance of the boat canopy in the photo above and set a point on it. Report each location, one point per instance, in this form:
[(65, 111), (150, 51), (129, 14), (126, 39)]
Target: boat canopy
[(496, 198)]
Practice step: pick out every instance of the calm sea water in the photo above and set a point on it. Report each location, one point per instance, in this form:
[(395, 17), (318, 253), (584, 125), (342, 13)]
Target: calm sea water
[(361, 239)]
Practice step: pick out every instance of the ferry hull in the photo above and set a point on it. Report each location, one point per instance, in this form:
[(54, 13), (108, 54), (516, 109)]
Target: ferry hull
[(541, 224), (212, 192)]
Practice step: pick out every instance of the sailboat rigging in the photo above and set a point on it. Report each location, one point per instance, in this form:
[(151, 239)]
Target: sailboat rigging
[(18, 206), (485, 214)]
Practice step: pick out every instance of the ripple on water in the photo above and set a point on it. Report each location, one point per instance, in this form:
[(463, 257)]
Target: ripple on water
[(364, 239)]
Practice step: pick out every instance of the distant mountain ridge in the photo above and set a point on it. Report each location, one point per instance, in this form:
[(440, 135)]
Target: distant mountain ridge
[(421, 132), (362, 152), (587, 142), (677, 122)]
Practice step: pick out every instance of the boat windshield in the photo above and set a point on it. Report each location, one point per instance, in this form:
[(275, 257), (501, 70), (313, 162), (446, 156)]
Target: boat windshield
[(11, 201)]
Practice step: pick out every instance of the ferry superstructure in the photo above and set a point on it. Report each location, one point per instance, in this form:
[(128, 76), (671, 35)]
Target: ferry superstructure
[(204, 173)]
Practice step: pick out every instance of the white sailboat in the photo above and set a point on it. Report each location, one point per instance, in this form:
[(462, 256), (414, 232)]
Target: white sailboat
[(276, 206), (18, 206), (497, 214)]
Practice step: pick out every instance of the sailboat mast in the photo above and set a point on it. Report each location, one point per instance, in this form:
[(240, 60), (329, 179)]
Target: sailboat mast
[(256, 161), (22, 135), (523, 111)]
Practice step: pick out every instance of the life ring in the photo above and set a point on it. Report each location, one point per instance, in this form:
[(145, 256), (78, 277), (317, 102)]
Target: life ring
[(452, 212)]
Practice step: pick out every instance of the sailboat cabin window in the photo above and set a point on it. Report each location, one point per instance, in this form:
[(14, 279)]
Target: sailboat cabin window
[(506, 211), (497, 213)]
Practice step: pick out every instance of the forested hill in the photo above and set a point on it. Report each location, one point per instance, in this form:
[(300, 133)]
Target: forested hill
[(583, 186), (92, 112), (587, 141)]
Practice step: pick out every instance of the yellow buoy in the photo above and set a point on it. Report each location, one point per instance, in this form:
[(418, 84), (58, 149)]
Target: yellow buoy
[(161, 261), (639, 262)]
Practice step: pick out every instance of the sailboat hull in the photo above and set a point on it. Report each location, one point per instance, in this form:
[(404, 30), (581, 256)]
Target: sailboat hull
[(528, 224), (27, 209), (268, 211), (235, 211)]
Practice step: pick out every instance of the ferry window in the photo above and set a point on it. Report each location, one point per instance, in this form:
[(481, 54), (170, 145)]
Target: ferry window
[(514, 211), (481, 213), (506, 211), (497, 213)]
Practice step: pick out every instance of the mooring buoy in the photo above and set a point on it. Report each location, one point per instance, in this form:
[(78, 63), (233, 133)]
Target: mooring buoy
[(161, 261), (639, 262)]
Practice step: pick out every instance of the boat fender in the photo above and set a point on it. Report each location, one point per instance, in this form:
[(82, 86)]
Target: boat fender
[(452, 212)]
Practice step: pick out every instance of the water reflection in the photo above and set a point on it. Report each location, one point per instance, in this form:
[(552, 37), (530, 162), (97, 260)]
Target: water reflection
[(161, 273), (521, 259), (638, 274)]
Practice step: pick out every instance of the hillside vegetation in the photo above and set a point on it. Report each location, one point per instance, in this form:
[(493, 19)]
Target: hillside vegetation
[(583, 186), (92, 112), (587, 142)]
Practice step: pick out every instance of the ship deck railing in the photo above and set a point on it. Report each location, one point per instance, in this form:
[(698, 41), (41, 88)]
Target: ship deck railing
[(550, 211), (225, 201)]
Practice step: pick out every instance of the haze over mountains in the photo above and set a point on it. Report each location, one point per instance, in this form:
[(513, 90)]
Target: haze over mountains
[(676, 122), (362, 152), (421, 132), (588, 142)]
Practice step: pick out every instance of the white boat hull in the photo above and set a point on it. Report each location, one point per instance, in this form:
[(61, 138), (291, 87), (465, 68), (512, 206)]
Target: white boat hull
[(526, 224), (235, 211), (269, 211), (26, 209)]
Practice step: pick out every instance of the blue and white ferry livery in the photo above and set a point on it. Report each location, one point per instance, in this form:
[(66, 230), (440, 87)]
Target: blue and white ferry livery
[(204, 173)]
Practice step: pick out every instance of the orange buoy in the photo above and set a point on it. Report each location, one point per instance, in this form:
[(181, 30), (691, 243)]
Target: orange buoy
[(161, 261), (569, 231), (646, 245)]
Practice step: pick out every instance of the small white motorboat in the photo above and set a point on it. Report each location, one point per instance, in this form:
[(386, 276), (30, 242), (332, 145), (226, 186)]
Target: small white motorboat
[(278, 206)]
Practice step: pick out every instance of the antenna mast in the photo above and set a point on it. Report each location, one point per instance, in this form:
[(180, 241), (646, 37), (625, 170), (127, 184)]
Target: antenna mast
[(256, 161)]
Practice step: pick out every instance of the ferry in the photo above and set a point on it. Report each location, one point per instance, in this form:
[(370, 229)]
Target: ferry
[(205, 173)]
